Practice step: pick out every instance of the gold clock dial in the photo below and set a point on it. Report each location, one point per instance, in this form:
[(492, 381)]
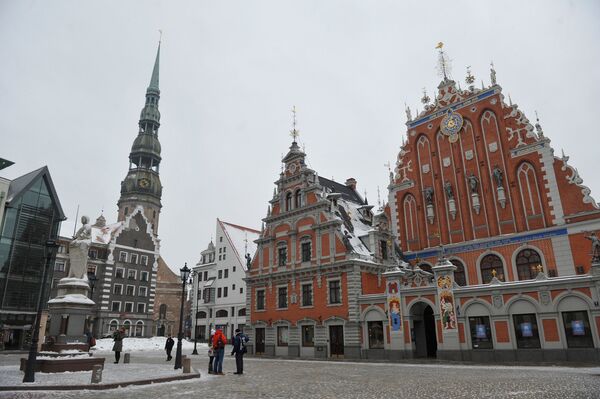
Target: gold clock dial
[(144, 183)]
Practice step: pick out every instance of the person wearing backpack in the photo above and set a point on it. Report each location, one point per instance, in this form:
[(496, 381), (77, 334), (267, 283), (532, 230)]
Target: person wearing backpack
[(239, 348), (219, 342)]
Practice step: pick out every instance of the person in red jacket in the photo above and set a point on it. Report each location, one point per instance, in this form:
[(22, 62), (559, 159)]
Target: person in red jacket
[(219, 342)]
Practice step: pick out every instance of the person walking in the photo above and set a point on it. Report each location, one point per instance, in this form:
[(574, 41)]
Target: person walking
[(239, 348), (219, 341), (211, 352), (118, 345), (169, 347)]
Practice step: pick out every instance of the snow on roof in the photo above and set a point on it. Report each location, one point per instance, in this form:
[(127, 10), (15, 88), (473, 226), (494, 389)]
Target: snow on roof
[(103, 235), (73, 299), (354, 226), (242, 238)]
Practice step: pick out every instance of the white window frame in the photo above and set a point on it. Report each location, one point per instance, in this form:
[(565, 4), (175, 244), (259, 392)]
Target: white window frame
[(312, 295), (138, 307), (134, 274), (256, 299), (127, 288), (140, 288), (131, 258), (142, 273), (62, 269), (287, 296), (122, 269), (112, 306), (132, 307), (341, 292), (144, 260), (123, 258), (120, 290)]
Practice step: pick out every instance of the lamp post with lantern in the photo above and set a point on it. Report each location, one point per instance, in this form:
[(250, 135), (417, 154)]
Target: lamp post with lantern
[(185, 274)]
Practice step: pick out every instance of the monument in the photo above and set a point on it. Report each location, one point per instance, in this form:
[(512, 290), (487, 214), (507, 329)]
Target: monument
[(71, 308)]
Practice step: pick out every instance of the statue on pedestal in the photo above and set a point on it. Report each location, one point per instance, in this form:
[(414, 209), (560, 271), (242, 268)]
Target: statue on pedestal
[(79, 248), (595, 247)]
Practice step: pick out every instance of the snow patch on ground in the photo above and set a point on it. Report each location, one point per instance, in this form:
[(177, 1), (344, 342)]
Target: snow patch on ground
[(131, 344)]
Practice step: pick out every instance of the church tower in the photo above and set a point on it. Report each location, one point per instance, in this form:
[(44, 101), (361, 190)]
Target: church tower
[(141, 186)]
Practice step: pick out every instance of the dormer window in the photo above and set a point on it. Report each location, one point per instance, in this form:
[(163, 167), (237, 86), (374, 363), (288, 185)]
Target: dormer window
[(288, 202)]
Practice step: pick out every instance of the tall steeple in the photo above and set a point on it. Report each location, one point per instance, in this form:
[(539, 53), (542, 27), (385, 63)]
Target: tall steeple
[(142, 184)]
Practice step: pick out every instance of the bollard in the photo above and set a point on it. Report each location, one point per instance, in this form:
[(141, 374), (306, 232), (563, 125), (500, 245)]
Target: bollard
[(127, 357), (187, 365), (97, 374)]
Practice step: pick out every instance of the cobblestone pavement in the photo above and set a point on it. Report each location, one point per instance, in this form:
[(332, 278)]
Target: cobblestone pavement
[(276, 378)]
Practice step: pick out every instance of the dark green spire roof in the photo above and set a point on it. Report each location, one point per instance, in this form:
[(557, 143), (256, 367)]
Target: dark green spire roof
[(154, 79)]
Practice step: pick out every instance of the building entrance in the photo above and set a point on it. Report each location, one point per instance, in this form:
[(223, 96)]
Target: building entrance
[(423, 331), (260, 341), (336, 341)]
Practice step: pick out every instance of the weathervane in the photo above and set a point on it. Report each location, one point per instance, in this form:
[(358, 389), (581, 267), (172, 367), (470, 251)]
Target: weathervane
[(425, 99), (443, 62), (470, 79), (294, 132)]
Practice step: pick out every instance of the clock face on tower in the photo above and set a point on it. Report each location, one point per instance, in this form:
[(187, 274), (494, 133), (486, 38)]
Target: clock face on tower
[(144, 183)]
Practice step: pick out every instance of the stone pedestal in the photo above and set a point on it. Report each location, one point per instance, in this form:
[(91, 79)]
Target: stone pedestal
[(70, 310)]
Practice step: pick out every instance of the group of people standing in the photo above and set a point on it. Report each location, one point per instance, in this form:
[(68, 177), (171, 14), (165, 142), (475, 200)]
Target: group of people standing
[(216, 351)]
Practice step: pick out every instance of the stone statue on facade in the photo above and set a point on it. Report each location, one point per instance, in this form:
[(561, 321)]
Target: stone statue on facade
[(448, 189), (498, 176), (473, 183), (248, 261), (595, 247), (79, 248), (428, 192)]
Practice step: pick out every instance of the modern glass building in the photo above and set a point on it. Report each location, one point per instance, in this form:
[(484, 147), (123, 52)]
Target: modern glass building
[(32, 216)]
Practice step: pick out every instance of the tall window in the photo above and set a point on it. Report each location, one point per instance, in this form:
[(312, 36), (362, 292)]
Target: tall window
[(128, 307), (528, 261), (225, 291), (375, 330), (384, 249), (139, 328), (134, 258), (118, 289), (491, 264), (282, 297), (162, 312), (221, 313), (144, 276), (260, 299), (481, 333), (281, 255), (526, 330), (335, 292), (459, 274), (305, 251), (123, 256), (577, 329), (298, 199), (307, 295), (308, 336), (282, 336), (288, 202)]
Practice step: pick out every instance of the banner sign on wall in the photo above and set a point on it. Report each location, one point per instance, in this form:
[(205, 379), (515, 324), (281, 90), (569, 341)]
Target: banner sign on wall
[(446, 298), (393, 303)]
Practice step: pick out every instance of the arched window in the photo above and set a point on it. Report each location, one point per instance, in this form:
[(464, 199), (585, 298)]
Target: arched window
[(426, 267), (113, 326), (298, 199), (527, 262), (411, 227), (201, 315), (489, 265), (530, 197), (288, 202), (459, 274), (221, 313), (127, 327), (162, 311), (242, 312), (139, 329)]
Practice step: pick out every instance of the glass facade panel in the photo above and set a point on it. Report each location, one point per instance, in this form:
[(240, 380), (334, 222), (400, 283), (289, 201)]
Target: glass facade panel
[(308, 336), (577, 329), (375, 330), (526, 331), (481, 332)]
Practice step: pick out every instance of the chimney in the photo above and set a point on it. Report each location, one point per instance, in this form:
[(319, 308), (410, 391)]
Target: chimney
[(351, 182)]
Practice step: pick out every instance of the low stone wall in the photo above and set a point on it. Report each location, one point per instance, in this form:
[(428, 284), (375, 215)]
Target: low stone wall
[(65, 364)]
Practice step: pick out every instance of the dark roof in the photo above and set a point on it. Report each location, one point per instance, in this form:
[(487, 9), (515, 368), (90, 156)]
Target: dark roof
[(5, 163), (347, 193), (21, 184)]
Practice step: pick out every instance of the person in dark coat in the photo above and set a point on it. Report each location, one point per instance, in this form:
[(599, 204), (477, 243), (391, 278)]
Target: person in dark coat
[(169, 347), (239, 348), (118, 345)]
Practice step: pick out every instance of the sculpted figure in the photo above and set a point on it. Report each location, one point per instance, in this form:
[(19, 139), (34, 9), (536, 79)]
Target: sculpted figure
[(498, 176), (78, 249), (448, 188), (473, 183), (428, 195), (248, 261), (595, 247)]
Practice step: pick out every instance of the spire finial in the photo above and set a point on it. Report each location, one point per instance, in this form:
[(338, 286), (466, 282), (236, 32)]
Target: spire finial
[(443, 62), (538, 127), (155, 72), (425, 99), (492, 73), (470, 79), (294, 132)]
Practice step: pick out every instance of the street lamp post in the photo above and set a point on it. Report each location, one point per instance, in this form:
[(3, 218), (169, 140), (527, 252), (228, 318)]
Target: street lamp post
[(92, 279), (195, 352), (51, 245), (185, 273)]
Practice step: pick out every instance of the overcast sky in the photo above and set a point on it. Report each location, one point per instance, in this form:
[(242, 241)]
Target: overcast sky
[(73, 76)]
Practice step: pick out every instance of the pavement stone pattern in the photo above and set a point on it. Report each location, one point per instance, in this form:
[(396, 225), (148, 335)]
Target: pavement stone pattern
[(279, 378)]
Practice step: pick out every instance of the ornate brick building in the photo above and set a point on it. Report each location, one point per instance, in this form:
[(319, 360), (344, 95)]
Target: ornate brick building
[(320, 249), (494, 226)]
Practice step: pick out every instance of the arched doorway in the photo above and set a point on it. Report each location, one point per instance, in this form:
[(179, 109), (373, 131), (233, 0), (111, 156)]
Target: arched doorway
[(423, 331)]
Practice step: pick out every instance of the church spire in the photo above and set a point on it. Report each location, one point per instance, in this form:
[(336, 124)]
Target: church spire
[(155, 71)]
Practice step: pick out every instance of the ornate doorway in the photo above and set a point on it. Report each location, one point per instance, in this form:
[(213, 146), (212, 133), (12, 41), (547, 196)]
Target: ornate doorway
[(336, 341), (260, 341)]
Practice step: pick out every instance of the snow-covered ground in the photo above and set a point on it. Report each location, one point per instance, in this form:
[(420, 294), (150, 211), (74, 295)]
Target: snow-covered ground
[(144, 345)]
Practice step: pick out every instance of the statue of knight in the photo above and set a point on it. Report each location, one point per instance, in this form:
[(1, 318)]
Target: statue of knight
[(595, 247), (78, 250)]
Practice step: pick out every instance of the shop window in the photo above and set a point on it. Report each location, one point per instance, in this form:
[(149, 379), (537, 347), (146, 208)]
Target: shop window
[(491, 265), (282, 336), (282, 297), (308, 336), (481, 333), (459, 274), (375, 330), (528, 261), (526, 331), (577, 329)]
